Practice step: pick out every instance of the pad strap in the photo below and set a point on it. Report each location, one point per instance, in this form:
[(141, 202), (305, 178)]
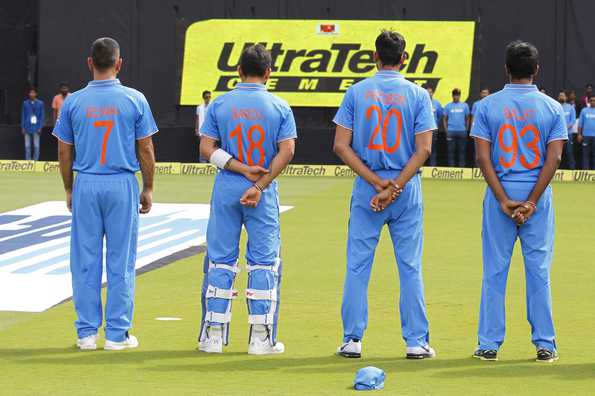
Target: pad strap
[(211, 316), (228, 267), (216, 292), (256, 294), (273, 268), (267, 319)]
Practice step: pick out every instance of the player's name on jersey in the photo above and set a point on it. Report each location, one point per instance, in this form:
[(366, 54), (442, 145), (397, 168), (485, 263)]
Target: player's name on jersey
[(194, 169)]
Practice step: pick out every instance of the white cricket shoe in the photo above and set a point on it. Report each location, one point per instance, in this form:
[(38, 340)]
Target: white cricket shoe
[(88, 343), (128, 343), (213, 343), (421, 352), (260, 343), (260, 347), (351, 349)]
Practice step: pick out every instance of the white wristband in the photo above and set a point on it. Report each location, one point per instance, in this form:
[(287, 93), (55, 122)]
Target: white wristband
[(220, 158)]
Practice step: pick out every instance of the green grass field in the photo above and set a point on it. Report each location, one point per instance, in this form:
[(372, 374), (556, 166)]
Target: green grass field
[(37, 354)]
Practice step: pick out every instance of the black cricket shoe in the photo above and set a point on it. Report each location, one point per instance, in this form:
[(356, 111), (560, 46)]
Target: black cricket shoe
[(546, 356), (486, 354)]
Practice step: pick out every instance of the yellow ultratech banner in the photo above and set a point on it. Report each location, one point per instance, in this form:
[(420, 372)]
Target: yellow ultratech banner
[(315, 61), (177, 168)]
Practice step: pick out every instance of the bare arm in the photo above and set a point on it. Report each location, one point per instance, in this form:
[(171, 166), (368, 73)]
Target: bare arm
[(146, 157), (65, 159), (469, 121), (251, 196), (208, 146), (342, 148), (445, 123), (483, 149), (55, 115), (552, 162)]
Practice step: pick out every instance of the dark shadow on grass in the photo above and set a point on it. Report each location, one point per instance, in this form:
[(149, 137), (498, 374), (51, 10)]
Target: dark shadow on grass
[(535, 371)]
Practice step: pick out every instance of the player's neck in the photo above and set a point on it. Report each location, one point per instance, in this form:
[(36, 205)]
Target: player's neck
[(104, 75), (253, 80), (389, 68), (521, 80)]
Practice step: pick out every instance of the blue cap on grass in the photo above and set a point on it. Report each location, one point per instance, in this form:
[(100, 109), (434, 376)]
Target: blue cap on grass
[(369, 378)]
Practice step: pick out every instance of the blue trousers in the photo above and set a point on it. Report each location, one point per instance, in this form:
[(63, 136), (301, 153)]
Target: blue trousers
[(227, 216), (457, 148), (499, 234), (35, 138), (589, 152), (404, 218), (104, 206)]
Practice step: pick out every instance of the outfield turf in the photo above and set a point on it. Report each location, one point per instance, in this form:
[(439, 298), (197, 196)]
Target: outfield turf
[(37, 355)]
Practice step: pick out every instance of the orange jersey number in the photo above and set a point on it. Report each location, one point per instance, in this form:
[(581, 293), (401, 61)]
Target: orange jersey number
[(382, 126), (254, 145), (108, 125), (513, 148)]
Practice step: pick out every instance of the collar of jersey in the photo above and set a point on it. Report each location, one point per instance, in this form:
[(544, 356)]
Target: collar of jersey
[(104, 83), (388, 73), (254, 86), (521, 87)]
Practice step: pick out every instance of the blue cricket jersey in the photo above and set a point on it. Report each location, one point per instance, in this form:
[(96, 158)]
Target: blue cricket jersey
[(587, 121), (32, 116), (248, 122), (519, 121), (474, 107), (103, 121), (457, 116), (570, 115), (385, 112), (437, 109)]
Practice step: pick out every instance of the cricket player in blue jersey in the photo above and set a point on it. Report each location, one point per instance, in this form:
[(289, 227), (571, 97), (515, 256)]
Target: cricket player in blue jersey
[(570, 115), (456, 123), (384, 133), (586, 134), (519, 135), (437, 110), (105, 123), (249, 134)]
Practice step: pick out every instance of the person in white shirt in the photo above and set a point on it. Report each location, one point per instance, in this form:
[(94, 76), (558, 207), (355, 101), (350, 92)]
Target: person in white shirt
[(201, 112)]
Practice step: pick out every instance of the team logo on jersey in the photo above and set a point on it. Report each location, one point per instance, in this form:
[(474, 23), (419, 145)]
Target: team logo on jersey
[(35, 245), (314, 67)]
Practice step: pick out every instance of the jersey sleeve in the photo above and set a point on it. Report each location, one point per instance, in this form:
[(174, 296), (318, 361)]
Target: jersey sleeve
[(572, 118), (145, 123), (345, 114), (466, 109), (559, 130), (480, 128), (424, 116), (63, 129), (209, 127), (288, 129)]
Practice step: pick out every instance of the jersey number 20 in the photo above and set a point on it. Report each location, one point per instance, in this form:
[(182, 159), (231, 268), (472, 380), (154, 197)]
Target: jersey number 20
[(382, 121)]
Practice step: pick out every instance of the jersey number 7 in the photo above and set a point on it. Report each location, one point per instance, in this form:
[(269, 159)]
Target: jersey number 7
[(108, 125)]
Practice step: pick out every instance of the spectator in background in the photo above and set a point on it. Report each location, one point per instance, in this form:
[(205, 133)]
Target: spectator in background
[(201, 112), (570, 115), (437, 109), (58, 100), (32, 117), (586, 134), (543, 91), (456, 124), (585, 101), (482, 94)]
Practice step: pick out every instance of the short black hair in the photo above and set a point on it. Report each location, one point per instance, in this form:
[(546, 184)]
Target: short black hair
[(255, 60), (390, 46), (589, 85), (426, 86), (456, 91), (204, 93), (105, 51), (522, 59), (63, 84), (32, 89)]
